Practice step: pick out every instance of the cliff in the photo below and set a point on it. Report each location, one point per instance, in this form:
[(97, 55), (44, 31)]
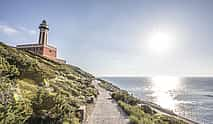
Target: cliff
[(34, 89)]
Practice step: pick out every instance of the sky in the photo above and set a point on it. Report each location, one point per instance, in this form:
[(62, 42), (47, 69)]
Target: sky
[(112, 37)]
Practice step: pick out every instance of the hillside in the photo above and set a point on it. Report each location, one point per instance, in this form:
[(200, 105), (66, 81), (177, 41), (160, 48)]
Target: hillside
[(34, 89)]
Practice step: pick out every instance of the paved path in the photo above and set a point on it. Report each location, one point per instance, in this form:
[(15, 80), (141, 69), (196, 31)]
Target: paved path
[(106, 110)]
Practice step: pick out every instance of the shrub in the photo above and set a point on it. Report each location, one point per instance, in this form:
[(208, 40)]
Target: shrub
[(133, 120), (125, 97)]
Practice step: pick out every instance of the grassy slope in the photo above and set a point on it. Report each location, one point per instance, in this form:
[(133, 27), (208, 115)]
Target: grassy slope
[(138, 111), (35, 89)]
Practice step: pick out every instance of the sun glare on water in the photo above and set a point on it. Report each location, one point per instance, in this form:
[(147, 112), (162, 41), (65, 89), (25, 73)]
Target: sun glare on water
[(162, 87), (165, 83)]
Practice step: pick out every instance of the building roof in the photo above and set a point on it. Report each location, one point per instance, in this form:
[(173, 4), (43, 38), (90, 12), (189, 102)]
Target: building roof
[(34, 45)]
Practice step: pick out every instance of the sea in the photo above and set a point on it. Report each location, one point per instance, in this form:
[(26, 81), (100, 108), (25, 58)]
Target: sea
[(190, 97)]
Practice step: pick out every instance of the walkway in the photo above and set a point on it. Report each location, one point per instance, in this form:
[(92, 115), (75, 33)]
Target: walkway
[(106, 110)]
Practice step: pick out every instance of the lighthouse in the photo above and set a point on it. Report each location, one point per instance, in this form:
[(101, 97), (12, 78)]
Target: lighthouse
[(43, 35), (42, 48)]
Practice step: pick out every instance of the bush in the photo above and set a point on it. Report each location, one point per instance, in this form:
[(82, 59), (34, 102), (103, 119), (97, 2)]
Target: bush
[(133, 120), (125, 97)]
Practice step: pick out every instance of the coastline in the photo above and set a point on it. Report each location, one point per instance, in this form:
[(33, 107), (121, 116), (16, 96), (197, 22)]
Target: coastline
[(155, 107)]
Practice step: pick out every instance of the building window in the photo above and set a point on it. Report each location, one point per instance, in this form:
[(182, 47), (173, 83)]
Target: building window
[(50, 51)]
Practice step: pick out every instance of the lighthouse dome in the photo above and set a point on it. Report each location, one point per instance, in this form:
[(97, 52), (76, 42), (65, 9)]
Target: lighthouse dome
[(44, 22), (43, 25)]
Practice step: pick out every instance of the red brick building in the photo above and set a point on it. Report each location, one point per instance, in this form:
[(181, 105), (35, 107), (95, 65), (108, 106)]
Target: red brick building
[(42, 48)]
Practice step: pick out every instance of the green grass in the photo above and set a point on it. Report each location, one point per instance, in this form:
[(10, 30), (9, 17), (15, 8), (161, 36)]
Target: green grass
[(34, 88), (138, 116), (124, 96)]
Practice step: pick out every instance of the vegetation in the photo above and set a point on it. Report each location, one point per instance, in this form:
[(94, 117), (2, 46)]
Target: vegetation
[(37, 90), (138, 112), (124, 96), (108, 86), (140, 115)]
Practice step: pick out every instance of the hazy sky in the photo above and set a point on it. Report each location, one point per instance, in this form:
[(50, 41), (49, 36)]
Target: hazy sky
[(110, 37)]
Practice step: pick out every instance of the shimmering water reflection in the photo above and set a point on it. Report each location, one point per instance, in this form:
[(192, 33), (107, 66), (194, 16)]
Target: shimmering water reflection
[(191, 97), (163, 88)]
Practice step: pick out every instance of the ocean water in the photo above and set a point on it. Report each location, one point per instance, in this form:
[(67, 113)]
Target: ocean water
[(189, 97)]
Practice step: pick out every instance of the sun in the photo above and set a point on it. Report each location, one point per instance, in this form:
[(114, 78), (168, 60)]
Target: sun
[(160, 42)]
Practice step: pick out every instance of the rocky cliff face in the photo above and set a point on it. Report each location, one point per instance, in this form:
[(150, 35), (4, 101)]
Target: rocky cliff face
[(34, 89)]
